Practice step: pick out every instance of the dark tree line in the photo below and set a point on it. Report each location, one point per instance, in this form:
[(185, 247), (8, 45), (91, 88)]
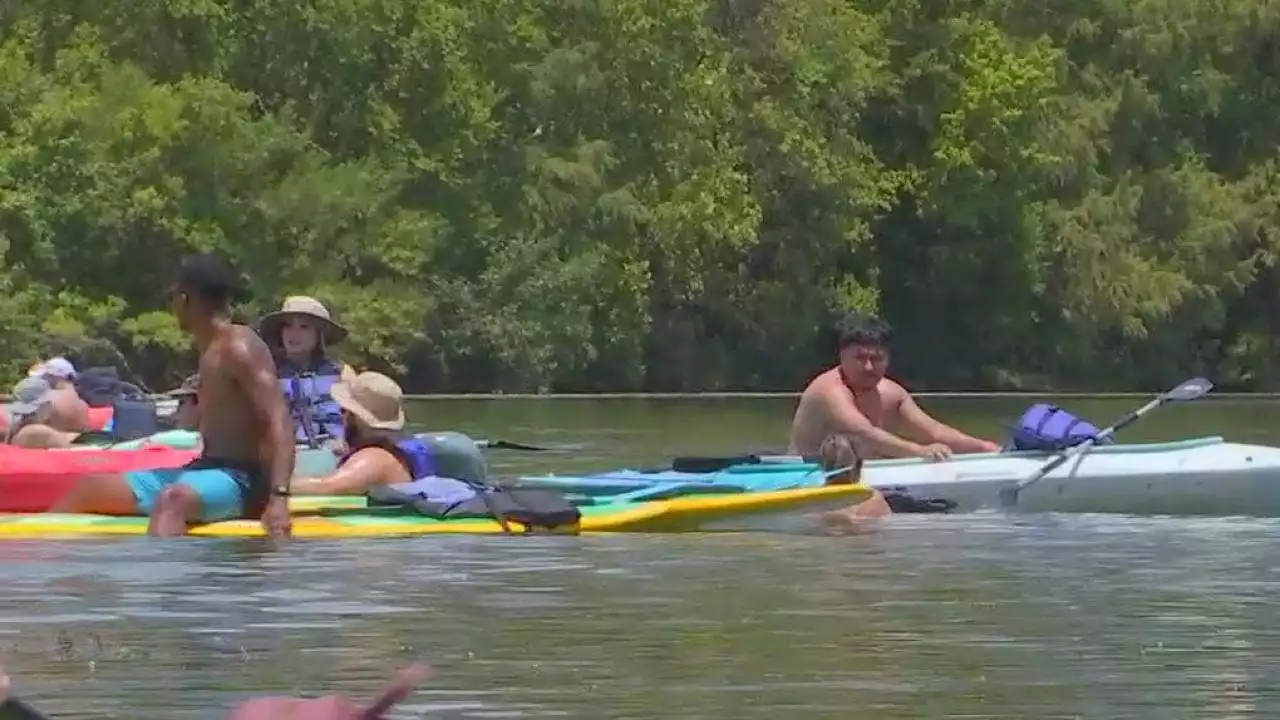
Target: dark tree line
[(643, 195)]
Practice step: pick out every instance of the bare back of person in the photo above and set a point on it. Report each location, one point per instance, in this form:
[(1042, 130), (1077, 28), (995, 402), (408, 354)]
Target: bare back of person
[(228, 426), (49, 416)]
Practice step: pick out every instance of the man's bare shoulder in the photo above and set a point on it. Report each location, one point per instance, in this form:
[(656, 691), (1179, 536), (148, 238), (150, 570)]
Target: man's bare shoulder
[(892, 394), (824, 384), (243, 345)]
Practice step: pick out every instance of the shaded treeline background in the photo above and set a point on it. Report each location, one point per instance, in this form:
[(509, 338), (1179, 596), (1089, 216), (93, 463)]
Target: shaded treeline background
[(527, 195)]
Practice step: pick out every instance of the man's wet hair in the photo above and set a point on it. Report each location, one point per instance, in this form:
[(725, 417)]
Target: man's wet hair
[(862, 329), (210, 279)]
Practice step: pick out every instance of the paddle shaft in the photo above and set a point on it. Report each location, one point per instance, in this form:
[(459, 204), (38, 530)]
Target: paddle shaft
[(524, 447), (507, 445)]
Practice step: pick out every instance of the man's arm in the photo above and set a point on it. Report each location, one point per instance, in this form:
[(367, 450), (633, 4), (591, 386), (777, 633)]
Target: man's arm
[(934, 430), (256, 373), (362, 471), (846, 416)]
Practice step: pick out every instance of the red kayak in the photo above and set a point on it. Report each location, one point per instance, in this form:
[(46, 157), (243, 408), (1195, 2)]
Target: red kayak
[(32, 480), (99, 417)]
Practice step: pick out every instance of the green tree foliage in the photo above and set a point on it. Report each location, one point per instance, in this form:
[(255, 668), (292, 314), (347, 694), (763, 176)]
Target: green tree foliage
[(640, 195)]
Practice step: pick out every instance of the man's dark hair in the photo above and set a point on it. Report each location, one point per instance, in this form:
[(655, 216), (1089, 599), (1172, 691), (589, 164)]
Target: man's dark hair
[(862, 329), (210, 279)]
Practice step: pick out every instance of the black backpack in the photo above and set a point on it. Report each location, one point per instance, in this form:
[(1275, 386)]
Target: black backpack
[(100, 386), (901, 501), (134, 417), (531, 507)]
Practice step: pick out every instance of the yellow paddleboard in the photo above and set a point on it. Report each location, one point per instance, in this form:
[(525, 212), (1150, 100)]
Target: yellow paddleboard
[(347, 517)]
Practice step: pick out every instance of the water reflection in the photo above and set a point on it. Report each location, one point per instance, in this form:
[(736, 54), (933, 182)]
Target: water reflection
[(966, 616)]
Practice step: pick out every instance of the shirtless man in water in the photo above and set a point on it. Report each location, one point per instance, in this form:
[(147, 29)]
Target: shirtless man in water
[(855, 398), (245, 430)]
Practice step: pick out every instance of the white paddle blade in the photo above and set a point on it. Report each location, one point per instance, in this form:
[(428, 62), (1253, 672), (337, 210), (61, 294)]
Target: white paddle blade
[(1190, 390)]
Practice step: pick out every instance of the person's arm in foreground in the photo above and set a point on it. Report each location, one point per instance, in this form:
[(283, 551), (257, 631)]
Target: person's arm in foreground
[(360, 472), (335, 707), (917, 419), (328, 707)]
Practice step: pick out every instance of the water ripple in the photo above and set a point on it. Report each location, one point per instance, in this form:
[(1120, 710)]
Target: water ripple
[(965, 616)]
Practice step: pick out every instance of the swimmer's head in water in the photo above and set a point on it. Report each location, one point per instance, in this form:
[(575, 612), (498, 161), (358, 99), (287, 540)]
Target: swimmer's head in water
[(204, 287), (863, 344), (840, 451)]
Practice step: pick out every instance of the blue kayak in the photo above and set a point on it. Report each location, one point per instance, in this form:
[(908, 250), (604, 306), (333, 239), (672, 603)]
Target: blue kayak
[(663, 484)]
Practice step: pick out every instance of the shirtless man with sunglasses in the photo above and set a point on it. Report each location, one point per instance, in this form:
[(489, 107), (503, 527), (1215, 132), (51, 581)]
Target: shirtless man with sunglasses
[(246, 435)]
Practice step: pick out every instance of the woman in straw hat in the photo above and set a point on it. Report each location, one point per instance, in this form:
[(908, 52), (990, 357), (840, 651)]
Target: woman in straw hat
[(299, 334), (381, 453)]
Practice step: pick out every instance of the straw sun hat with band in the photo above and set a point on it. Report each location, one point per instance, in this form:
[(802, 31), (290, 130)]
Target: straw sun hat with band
[(302, 306), (374, 398), (378, 402)]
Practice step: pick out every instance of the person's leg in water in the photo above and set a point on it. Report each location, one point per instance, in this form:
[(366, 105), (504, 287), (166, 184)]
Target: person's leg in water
[(173, 498), (100, 495), (835, 453), (204, 495)]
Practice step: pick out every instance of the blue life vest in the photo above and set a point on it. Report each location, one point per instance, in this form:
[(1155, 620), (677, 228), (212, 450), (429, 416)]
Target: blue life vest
[(307, 392), (1049, 428), (419, 459)]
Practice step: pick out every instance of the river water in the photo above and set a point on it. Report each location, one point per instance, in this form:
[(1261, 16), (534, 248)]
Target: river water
[(967, 616)]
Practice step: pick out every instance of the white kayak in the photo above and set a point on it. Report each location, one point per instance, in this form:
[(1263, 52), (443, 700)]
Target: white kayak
[(1202, 476)]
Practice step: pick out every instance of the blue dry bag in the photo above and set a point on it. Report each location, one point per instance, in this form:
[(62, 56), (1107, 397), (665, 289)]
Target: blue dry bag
[(1050, 428)]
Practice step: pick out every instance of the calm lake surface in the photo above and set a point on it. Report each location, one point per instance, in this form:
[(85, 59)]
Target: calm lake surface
[(967, 616)]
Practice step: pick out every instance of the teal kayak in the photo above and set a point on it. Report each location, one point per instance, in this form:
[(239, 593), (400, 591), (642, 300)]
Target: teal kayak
[(310, 462)]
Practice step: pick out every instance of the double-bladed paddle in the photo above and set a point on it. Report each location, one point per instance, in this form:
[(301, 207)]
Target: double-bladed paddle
[(1187, 390)]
